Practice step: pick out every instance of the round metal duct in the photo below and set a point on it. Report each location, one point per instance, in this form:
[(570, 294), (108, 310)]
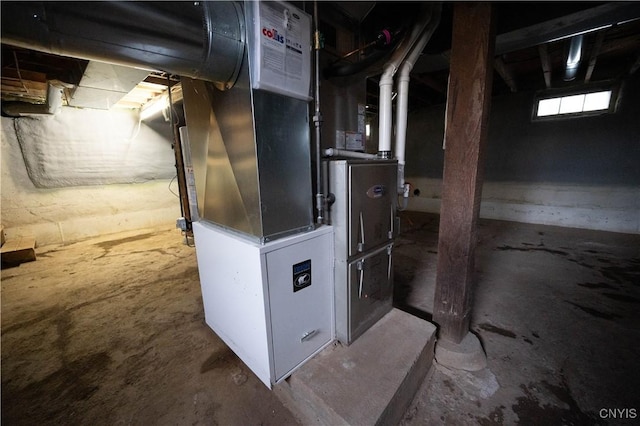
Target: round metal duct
[(202, 40)]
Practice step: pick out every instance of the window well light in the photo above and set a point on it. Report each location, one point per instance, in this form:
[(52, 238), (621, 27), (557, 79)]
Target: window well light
[(597, 101), (574, 104), (571, 104), (548, 107)]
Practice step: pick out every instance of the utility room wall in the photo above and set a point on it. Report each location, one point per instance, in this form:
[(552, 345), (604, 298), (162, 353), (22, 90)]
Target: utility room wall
[(82, 173), (580, 172)]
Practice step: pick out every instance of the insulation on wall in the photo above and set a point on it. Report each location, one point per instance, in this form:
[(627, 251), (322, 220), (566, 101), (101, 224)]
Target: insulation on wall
[(103, 203), (78, 147)]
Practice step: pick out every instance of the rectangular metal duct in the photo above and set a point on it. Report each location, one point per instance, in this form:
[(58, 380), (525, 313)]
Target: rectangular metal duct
[(103, 85), (251, 158)]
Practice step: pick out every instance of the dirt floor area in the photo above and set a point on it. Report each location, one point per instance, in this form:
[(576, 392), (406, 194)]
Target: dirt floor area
[(111, 331)]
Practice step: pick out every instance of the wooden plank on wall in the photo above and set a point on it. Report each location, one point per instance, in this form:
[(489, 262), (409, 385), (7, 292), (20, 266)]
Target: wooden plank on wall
[(468, 103)]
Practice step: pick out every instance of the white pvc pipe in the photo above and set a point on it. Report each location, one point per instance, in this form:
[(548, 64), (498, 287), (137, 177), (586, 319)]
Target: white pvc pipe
[(402, 112), (331, 152), (386, 83), (403, 92), (385, 108)]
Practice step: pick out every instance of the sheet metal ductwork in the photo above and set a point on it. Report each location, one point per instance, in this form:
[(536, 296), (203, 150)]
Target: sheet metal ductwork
[(573, 58), (203, 40), (250, 145)]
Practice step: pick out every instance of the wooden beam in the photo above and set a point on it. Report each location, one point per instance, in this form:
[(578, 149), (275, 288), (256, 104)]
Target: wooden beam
[(556, 29), (546, 64), (505, 72), (568, 26), (159, 80), (26, 86), (594, 55), (39, 77), (615, 46), (467, 115)]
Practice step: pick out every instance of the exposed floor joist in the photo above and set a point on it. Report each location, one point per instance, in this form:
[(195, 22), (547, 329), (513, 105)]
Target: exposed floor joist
[(594, 55), (429, 81), (546, 64), (506, 73)]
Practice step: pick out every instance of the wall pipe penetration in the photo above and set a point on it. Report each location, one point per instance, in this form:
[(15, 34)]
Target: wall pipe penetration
[(386, 80), (202, 40)]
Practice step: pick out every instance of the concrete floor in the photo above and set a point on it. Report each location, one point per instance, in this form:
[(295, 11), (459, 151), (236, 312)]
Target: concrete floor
[(111, 331), (558, 313)]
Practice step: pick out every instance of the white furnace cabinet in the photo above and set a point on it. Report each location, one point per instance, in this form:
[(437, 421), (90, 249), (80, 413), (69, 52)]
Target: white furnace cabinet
[(272, 303)]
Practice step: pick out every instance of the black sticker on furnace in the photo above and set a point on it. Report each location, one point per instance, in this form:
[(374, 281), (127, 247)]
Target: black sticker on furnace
[(301, 275)]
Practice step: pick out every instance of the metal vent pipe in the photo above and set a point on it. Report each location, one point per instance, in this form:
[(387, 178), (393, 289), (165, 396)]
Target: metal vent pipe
[(200, 39), (573, 58)]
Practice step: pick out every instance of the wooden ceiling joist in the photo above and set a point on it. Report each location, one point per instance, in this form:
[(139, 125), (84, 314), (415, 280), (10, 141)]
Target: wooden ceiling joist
[(594, 55), (506, 73), (546, 64), (431, 82)]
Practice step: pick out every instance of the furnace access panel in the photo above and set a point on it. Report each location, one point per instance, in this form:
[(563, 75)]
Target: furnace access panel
[(272, 303), (363, 216)]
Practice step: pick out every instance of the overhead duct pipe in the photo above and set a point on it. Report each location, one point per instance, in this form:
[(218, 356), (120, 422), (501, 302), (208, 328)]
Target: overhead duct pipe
[(386, 81), (203, 40), (403, 95), (573, 58)]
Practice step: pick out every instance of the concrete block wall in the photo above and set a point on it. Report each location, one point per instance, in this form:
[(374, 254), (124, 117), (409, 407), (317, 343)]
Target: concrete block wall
[(579, 173), (86, 173), (603, 208)]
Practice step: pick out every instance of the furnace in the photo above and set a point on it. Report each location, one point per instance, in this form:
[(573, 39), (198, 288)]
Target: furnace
[(278, 286), (294, 243)]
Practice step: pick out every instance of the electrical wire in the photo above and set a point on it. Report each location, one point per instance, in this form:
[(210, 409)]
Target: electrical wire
[(170, 182), (137, 130)]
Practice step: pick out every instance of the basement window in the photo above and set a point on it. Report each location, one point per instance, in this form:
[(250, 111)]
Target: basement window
[(575, 104)]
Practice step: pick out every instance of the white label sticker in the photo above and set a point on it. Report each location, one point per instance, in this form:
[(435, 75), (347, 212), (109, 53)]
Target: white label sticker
[(353, 141)]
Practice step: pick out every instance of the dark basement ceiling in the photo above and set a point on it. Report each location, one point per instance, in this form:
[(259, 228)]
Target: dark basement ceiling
[(609, 53), (526, 44)]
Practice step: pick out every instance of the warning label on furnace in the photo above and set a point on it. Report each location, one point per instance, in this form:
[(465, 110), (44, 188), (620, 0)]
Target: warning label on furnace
[(283, 47)]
